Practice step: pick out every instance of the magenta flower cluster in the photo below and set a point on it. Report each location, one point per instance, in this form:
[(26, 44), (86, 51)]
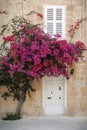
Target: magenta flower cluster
[(36, 54)]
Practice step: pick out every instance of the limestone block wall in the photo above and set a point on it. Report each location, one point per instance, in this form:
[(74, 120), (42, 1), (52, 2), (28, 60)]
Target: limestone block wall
[(76, 94)]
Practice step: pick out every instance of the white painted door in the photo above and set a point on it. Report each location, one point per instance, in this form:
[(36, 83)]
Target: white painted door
[(54, 95)]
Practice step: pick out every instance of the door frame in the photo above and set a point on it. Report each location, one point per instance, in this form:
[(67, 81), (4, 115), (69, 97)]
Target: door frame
[(65, 96)]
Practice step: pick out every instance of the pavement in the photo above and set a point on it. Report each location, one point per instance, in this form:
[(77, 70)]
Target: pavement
[(46, 123)]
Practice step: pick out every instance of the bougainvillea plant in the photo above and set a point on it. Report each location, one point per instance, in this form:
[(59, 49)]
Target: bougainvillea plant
[(33, 54)]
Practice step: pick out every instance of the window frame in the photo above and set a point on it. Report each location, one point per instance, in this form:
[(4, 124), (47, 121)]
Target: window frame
[(54, 7)]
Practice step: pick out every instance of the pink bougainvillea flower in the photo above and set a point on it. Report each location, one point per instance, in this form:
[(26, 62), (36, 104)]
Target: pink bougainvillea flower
[(57, 35), (80, 45), (11, 72), (12, 66), (40, 15), (55, 69), (9, 38)]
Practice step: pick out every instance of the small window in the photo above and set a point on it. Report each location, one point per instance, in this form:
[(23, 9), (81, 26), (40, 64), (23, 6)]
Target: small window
[(54, 17)]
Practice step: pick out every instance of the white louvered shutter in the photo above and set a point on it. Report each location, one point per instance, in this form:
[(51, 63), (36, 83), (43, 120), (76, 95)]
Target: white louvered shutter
[(54, 17)]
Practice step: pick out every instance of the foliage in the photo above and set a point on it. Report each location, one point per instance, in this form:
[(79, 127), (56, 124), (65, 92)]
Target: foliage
[(74, 27), (32, 54), (12, 117)]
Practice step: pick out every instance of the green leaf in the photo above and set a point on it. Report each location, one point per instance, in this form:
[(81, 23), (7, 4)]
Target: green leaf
[(3, 30)]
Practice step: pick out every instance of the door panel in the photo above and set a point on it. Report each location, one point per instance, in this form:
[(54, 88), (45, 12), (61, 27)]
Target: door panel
[(54, 95)]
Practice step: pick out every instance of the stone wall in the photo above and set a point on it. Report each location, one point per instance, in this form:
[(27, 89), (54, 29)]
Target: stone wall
[(76, 94)]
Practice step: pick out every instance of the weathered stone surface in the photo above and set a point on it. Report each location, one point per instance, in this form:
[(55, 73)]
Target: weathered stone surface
[(76, 96)]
